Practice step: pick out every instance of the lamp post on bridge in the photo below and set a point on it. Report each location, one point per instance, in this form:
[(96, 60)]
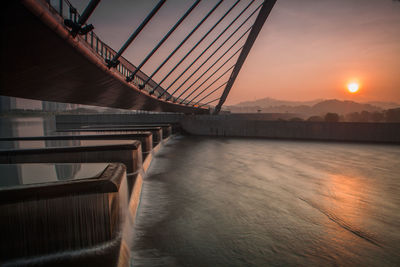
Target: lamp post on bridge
[(76, 26)]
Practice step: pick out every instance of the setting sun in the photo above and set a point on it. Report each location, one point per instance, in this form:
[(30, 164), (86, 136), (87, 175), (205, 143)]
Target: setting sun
[(353, 87)]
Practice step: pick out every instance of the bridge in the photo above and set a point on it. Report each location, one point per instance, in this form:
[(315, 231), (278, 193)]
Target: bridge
[(71, 184), (51, 53), (89, 175)]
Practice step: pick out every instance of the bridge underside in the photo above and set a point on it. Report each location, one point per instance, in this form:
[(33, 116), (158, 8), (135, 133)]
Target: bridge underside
[(40, 60)]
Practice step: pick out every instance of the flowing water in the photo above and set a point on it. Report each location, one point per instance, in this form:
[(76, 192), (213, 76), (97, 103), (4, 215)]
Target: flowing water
[(253, 202)]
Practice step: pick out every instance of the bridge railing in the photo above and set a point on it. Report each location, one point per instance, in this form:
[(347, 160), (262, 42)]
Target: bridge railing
[(204, 66), (67, 11)]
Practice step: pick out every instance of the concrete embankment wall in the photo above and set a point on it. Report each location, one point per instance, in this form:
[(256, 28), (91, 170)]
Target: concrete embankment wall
[(90, 119), (226, 125), (75, 120)]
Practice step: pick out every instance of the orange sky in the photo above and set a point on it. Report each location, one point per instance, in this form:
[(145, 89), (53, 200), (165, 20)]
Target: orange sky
[(311, 49), (307, 49)]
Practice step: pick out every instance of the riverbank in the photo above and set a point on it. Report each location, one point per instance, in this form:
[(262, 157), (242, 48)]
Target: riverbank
[(231, 126), (250, 125)]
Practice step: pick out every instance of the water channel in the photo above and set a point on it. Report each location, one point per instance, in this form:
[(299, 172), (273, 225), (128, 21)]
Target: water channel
[(255, 202)]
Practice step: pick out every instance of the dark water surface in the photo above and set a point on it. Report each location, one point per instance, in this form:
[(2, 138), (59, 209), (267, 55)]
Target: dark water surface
[(253, 202), (248, 202)]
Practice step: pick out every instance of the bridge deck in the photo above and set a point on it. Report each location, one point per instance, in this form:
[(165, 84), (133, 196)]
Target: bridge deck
[(40, 60)]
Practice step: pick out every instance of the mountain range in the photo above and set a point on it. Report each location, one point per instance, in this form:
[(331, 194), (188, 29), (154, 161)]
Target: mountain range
[(308, 108)]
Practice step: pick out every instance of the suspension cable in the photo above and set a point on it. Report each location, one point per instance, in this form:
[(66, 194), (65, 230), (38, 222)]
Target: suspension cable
[(194, 47), (213, 91), (209, 102), (211, 45), (240, 38), (180, 45), (209, 77), (114, 61), (257, 26), (222, 75), (130, 78)]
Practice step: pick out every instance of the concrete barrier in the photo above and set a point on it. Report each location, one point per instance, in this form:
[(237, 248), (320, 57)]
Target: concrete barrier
[(127, 152), (49, 204), (90, 119), (166, 128), (154, 119), (77, 222), (145, 138), (156, 132), (339, 131)]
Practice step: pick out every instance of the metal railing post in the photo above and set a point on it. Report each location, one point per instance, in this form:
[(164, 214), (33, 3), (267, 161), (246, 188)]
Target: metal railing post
[(76, 26), (61, 7)]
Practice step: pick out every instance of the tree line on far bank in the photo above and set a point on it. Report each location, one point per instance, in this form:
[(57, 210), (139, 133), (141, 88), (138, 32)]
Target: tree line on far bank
[(390, 115)]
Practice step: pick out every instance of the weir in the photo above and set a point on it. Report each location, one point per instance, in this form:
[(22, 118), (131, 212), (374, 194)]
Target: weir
[(47, 221), (74, 151), (156, 132), (253, 126), (104, 142), (58, 208), (70, 193), (145, 138)]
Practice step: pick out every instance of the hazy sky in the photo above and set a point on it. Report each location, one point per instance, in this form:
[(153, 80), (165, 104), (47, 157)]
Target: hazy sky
[(307, 49)]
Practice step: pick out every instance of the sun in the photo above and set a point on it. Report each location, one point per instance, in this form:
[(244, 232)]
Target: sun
[(353, 87)]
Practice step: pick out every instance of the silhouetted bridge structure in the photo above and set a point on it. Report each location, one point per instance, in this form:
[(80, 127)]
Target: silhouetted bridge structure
[(50, 53), (69, 192)]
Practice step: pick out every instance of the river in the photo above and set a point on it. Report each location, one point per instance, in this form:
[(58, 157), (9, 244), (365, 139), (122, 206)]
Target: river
[(254, 202)]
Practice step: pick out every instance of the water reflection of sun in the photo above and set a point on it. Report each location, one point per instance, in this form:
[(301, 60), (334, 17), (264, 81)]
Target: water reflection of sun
[(346, 194), (345, 205)]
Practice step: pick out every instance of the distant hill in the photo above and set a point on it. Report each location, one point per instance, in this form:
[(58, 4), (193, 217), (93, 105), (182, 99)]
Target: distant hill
[(306, 108), (384, 105), (270, 102), (342, 107)]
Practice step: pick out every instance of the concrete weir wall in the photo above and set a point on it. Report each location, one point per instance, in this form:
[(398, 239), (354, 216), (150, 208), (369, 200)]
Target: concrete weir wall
[(164, 120), (130, 154), (66, 223), (53, 211), (90, 119), (225, 125)]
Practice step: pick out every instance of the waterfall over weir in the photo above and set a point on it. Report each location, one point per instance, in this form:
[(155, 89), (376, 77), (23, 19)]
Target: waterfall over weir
[(70, 198)]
